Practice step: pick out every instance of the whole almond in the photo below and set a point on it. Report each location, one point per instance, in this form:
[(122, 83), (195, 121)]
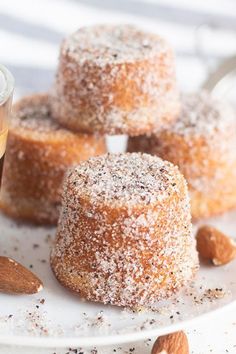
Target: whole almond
[(16, 279), (174, 343), (214, 245)]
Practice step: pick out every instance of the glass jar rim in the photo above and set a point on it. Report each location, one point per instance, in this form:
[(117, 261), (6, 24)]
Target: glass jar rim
[(9, 84)]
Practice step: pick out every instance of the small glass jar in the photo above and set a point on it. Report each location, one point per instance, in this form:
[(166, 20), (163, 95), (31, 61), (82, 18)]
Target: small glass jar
[(6, 92)]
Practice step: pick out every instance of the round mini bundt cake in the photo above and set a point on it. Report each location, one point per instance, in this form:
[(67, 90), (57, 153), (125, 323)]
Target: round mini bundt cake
[(115, 80), (202, 142), (124, 235), (39, 152)]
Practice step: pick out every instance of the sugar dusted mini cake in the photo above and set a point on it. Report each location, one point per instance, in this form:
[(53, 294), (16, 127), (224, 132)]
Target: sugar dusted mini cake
[(124, 236), (39, 152), (202, 142), (115, 80)]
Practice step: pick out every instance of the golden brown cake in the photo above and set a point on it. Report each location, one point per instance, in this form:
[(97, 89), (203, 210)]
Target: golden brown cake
[(124, 236), (202, 142), (115, 80), (39, 152)]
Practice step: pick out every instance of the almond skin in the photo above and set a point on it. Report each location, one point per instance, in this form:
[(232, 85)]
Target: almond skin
[(174, 343), (16, 279), (214, 245)]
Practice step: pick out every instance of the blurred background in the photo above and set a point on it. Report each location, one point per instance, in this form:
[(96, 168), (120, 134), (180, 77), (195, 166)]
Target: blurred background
[(202, 32)]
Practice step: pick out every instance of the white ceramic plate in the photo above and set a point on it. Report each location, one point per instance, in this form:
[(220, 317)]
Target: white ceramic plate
[(57, 318), (65, 320)]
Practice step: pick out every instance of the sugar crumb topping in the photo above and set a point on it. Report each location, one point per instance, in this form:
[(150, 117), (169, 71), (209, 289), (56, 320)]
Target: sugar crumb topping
[(33, 113), (124, 178), (203, 114), (116, 44)]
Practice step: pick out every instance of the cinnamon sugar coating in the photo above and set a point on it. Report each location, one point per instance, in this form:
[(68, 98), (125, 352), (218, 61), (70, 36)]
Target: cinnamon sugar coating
[(38, 154), (202, 142), (124, 235), (115, 80)]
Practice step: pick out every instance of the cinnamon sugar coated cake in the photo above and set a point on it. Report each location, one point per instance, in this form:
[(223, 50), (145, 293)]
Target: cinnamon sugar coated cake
[(202, 142), (39, 152), (115, 80), (124, 235)]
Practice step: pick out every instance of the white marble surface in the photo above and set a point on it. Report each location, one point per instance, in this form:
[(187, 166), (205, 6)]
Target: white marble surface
[(30, 33)]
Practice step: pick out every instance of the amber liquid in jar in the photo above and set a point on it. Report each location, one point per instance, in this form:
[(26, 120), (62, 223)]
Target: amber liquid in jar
[(1, 168), (3, 140)]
